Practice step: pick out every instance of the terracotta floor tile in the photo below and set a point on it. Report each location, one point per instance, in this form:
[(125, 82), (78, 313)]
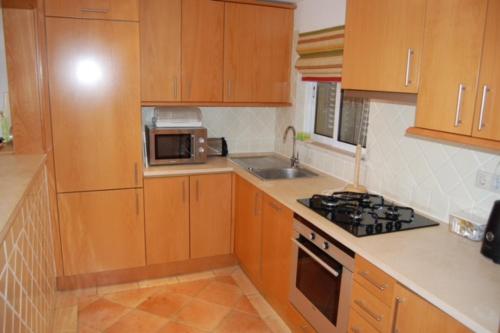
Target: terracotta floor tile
[(165, 304), (117, 288), (202, 315), (244, 305), (175, 327), (101, 314), (190, 288), (137, 321), (225, 271), (71, 297), (85, 329), (220, 293), (66, 319), (83, 301), (242, 323), (226, 279), (131, 298)]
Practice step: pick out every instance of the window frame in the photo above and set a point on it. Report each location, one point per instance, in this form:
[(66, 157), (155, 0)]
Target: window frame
[(310, 119)]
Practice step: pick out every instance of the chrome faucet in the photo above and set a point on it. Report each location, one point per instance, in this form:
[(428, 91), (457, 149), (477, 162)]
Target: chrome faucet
[(295, 156)]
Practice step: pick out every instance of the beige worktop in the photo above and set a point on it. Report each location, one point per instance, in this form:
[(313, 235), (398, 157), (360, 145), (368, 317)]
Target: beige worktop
[(16, 174), (445, 269)]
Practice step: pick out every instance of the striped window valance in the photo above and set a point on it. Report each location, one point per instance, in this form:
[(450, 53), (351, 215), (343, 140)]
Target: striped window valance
[(321, 54)]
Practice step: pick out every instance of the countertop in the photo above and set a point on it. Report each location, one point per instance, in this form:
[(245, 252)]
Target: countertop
[(445, 269), (16, 174)]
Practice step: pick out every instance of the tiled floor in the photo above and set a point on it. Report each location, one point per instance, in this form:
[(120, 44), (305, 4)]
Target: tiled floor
[(221, 301)]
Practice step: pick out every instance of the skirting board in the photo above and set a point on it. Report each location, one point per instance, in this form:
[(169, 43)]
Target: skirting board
[(144, 273)]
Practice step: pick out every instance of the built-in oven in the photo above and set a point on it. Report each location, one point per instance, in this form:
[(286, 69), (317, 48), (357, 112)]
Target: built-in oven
[(321, 278), (168, 145)]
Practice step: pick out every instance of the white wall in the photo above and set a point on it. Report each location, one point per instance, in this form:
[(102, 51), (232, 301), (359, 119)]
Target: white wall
[(433, 177)]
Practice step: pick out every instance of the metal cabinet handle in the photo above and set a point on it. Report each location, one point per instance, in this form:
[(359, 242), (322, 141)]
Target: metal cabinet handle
[(458, 114), (275, 206), (174, 80), (95, 10), (368, 278), (136, 174), (355, 330), (184, 191), (197, 190), (399, 300), (229, 88), (409, 60), (486, 90), (372, 314), (315, 258), (256, 204)]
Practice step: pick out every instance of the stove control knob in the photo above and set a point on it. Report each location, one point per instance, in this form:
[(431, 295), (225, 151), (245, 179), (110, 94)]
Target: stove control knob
[(312, 236), (326, 246)]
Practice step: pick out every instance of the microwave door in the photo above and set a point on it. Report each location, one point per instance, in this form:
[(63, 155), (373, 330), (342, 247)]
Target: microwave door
[(174, 146)]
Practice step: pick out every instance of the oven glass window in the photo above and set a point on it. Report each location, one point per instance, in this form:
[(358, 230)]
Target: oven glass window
[(171, 146), (320, 286)]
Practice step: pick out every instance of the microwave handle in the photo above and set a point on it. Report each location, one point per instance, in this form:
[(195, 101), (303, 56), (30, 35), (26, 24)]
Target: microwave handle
[(193, 148), (315, 258)]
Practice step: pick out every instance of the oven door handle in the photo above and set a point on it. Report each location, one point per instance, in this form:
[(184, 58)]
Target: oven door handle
[(315, 257)]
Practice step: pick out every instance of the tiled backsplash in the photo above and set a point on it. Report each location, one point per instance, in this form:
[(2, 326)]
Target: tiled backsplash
[(245, 129), (433, 177), (27, 269)]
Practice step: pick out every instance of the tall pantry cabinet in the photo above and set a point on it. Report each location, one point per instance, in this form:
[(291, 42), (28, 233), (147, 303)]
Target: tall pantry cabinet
[(94, 81)]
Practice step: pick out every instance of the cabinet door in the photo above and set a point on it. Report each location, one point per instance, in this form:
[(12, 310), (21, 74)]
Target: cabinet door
[(95, 105), (383, 45), (98, 9), (160, 50), (487, 116), (210, 211), (101, 231), (247, 228), (202, 50), (450, 65), (407, 305), (166, 203), (257, 53)]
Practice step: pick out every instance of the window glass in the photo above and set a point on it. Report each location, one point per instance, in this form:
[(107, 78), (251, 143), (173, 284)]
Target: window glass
[(353, 121), (324, 121)]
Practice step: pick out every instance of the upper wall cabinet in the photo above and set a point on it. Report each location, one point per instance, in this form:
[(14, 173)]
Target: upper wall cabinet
[(383, 45), (487, 112), (95, 105), (257, 53), (454, 34), (202, 50), (160, 50), (99, 9)]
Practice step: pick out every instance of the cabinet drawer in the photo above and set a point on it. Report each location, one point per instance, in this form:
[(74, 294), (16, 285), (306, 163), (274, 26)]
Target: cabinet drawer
[(370, 308), (358, 324), (374, 280), (127, 10)]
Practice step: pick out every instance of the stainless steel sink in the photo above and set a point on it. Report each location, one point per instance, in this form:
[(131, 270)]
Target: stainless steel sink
[(272, 167), (282, 173)]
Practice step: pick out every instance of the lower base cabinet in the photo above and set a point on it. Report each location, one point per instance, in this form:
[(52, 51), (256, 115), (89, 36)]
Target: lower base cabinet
[(101, 231)]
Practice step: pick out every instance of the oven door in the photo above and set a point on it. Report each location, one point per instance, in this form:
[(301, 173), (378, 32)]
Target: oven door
[(321, 287)]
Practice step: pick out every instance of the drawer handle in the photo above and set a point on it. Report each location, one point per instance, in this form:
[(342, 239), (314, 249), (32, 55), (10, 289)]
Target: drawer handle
[(372, 314), (275, 206), (486, 90), (94, 10), (355, 330), (409, 58), (377, 285)]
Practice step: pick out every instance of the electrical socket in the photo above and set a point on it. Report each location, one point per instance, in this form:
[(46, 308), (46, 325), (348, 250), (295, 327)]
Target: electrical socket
[(488, 181)]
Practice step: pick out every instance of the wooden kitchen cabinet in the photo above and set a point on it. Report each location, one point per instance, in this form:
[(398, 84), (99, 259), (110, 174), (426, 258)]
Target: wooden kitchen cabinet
[(487, 114), (257, 53), (248, 227), (412, 314), (202, 50), (383, 45), (166, 203), (160, 50), (210, 213), (453, 39), (101, 231), (95, 103), (96, 9)]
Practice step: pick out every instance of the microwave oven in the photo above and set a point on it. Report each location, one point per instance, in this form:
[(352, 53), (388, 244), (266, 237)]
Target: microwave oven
[(169, 145)]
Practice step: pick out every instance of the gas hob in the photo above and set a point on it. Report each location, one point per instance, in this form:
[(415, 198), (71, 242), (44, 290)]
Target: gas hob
[(365, 214)]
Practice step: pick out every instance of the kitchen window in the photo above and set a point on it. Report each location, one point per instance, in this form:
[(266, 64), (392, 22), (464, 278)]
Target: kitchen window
[(336, 118)]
